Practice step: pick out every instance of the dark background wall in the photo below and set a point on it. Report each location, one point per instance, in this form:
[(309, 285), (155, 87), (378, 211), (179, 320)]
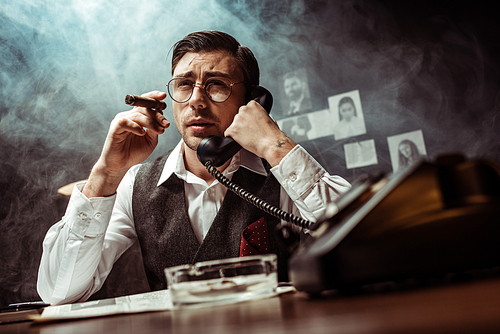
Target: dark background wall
[(65, 68)]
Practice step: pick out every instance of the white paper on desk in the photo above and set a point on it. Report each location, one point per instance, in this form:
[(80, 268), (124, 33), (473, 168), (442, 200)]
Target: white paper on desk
[(143, 302)]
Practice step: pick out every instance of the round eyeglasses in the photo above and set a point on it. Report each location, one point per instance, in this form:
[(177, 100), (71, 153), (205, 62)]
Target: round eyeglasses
[(218, 89)]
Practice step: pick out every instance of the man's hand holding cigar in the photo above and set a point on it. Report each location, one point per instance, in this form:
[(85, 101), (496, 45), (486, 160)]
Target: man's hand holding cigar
[(132, 138)]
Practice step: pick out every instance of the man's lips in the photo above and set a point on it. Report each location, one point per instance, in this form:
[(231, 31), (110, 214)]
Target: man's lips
[(199, 124)]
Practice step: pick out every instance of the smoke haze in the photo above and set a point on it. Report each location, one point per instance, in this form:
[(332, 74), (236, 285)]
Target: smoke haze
[(66, 66)]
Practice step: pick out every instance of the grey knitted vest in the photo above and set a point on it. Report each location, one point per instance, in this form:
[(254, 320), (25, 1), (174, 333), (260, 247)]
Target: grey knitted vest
[(165, 233)]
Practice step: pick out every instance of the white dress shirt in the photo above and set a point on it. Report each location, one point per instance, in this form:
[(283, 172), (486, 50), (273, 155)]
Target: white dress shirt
[(79, 251)]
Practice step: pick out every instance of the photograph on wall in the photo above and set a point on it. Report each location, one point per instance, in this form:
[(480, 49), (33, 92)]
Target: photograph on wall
[(406, 148), (360, 154), (295, 96), (306, 127), (297, 128), (347, 115)]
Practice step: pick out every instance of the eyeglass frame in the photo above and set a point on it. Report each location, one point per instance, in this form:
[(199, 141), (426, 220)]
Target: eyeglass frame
[(195, 84)]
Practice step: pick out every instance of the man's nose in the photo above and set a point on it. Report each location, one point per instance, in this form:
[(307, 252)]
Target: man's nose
[(199, 97)]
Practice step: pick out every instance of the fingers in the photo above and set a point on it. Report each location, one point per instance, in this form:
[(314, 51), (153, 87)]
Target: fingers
[(137, 120), (253, 114), (126, 125), (157, 95), (157, 116), (154, 114), (254, 129)]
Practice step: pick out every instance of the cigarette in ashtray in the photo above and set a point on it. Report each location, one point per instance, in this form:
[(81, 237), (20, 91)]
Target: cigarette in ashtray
[(146, 102)]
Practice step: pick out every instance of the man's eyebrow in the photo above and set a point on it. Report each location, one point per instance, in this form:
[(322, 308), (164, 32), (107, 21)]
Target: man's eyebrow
[(217, 74), (209, 74), (185, 74)]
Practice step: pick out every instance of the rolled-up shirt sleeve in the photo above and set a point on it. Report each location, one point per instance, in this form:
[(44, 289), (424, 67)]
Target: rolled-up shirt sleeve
[(79, 251), (307, 188)]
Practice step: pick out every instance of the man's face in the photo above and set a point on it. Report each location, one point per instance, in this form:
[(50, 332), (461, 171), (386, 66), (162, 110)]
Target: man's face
[(200, 117), (293, 88)]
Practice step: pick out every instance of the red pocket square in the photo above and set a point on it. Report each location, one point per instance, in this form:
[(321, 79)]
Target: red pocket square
[(255, 239)]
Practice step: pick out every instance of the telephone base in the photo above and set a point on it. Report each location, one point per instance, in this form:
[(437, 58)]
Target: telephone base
[(427, 221)]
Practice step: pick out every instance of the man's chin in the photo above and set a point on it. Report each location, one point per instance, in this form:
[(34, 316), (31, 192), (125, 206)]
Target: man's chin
[(192, 143), (193, 140)]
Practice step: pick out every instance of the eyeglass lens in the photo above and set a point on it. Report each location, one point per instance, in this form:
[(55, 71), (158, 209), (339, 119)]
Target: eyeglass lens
[(217, 89)]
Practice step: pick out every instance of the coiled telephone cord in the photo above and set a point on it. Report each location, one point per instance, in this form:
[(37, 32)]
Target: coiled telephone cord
[(251, 198)]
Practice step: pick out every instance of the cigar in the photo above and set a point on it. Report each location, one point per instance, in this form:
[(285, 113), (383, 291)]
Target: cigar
[(146, 102)]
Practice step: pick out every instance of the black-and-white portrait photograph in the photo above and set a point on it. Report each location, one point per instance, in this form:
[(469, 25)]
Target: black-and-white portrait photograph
[(308, 126), (347, 115), (295, 94), (406, 149), (319, 124), (296, 127), (360, 154)]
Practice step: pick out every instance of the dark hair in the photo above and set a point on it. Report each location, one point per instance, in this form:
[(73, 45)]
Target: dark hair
[(344, 100), (415, 154), (210, 40)]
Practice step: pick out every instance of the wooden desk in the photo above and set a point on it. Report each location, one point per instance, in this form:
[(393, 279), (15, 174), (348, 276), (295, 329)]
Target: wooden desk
[(470, 307)]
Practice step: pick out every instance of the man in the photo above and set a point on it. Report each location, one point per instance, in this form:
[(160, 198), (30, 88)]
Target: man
[(172, 206), (295, 90)]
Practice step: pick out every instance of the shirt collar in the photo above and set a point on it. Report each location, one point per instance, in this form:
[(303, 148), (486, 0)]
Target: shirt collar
[(244, 158)]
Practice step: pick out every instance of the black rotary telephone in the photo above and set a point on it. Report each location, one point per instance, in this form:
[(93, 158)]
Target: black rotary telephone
[(424, 222), (214, 151)]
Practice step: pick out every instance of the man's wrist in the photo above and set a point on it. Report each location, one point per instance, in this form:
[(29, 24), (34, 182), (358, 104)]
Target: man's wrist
[(101, 183), (278, 150)]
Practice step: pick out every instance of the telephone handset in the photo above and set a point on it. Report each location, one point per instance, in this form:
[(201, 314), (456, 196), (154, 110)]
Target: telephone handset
[(214, 151), (221, 149)]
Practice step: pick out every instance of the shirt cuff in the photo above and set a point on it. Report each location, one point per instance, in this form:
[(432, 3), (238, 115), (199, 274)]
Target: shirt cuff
[(297, 172), (88, 217)]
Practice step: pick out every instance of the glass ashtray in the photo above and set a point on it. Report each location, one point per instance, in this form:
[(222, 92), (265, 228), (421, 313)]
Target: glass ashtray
[(223, 281)]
